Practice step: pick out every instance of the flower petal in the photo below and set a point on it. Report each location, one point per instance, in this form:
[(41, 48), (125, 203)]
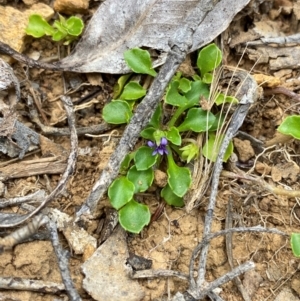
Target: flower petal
[(150, 144), (154, 152), (163, 141)]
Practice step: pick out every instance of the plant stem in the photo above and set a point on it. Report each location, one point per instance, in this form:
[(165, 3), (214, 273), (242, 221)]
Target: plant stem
[(176, 115)]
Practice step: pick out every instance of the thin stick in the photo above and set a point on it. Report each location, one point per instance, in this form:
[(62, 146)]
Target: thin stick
[(33, 197), (17, 283), (241, 269), (228, 225), (94, 129), (62, 262), (21, 234), (249, 96), (159, 273), (205, 241)]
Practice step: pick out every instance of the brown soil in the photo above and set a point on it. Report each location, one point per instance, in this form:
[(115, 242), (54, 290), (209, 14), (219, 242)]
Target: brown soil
[(170, 240)]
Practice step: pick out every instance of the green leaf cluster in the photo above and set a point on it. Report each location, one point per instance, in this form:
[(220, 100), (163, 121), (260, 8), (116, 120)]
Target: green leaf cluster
[(62, 29), (183, 95)]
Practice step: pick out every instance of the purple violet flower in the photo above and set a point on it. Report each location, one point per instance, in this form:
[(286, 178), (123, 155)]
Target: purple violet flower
[(160, 149)]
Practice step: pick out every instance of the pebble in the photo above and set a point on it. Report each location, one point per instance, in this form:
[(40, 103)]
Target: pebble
[(70, 7), (106, 272), (286, 294), (13, 23)]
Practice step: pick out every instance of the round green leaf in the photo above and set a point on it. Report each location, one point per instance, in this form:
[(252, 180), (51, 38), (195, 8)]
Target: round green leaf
[(198, 89), (144, 159), (139, 61), (74, 26), (184, 85), (126, 162), (148, 133), (207, 78), (221, 99), (295, 243), (197, 120), (171, 198), (38, 26), (133, 91), (209, 58), (173, 136), (117, 112), (173, 97), (58, 36), (156, 118), (290, 126), (142, 179), (118, 87), (218, 122), (179, 178), (212, 146), (133, 217), (120, 192)]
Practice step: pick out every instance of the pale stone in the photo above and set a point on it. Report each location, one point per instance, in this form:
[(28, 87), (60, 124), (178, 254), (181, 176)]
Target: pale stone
[(70, 7), (30, 2), (286, 295), (106, 272), (13, 24)]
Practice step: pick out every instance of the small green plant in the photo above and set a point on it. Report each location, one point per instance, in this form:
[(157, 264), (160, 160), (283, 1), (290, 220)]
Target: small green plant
[(63, 29), (164, 145), (295, 244), (291, 127)]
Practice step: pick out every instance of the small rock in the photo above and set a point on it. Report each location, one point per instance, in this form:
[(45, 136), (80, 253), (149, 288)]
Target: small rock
[(286, 294), (262, 168), (251, 282), (30, 2), (13, 23), (70, 7), (106, 273), (139, 263), (276, 174), (160, 178), (296, 284), (244, 149)]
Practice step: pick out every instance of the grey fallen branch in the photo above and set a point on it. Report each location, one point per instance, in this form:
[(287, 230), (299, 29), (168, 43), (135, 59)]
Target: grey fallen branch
[(158, 273), (33, 197), (17, 283), (22, 233), (292, 39), (228, 225), (194, 290), (67, 173), (50, 130), (180, 46), (62, 262), (247, 95)]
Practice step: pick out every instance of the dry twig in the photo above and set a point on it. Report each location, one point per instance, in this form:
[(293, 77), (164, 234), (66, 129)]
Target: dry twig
[(17, 283), (62, 262), (249, 95)]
